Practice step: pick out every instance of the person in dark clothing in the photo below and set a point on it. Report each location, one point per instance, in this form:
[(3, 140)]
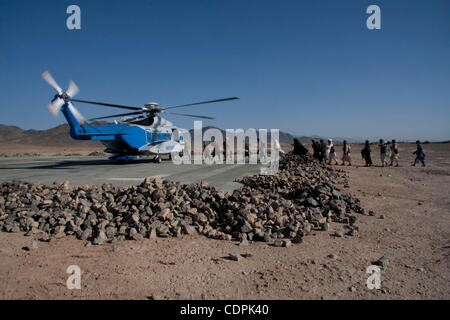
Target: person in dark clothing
[(365, 153), (323, 151), (420, 154), (316, 149)]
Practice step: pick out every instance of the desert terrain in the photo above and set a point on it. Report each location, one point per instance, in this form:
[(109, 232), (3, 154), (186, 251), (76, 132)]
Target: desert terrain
[(410, 226)]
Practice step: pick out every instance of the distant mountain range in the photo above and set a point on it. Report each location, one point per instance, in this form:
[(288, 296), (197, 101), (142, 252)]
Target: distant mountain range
[(59, 136)]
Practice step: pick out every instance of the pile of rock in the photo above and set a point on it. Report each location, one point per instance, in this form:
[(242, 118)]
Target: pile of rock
[(300, 198)]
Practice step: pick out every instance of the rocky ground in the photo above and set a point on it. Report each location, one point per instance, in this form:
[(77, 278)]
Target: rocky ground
[(299, 198), (334, 239)]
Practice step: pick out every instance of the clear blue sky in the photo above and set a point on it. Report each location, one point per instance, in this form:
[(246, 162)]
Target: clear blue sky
[(305, 67)]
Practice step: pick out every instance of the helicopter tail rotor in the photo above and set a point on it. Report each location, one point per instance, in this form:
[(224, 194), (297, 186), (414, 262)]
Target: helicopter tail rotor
[(48, 77), (76, 113), (55, 106), (63, 97), (73, 89)]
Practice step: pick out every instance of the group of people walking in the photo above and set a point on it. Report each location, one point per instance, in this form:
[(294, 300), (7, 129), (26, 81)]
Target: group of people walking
[(389, 153), (326, 152)]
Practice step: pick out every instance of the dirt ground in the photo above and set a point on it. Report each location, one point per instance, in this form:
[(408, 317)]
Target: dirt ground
[(411, 227), (11, 149)]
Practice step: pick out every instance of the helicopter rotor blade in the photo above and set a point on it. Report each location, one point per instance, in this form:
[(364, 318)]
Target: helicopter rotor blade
[(48, 77), (107, 104), (203, 102), (55, 106), (73, 89), (190, 115), (76, 113), (117, 115)]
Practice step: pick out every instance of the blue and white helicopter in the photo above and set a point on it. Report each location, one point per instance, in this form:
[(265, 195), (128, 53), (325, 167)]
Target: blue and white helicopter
[(127, 138)]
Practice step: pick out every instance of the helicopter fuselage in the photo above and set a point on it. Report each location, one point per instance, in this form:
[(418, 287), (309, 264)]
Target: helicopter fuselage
[(128, 139)]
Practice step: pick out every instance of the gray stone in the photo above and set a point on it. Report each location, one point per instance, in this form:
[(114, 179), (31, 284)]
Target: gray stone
[(132, 232), (233, 257), (152, 234), (244, 242), (338, 234), (278, 243), (246, 228), (312, 202), (336, 194), (97, 241), (286, 243), (189, 230), (383, 261)]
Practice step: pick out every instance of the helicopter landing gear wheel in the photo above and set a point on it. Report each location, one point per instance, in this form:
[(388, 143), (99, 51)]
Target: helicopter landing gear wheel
[(157, 159)]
